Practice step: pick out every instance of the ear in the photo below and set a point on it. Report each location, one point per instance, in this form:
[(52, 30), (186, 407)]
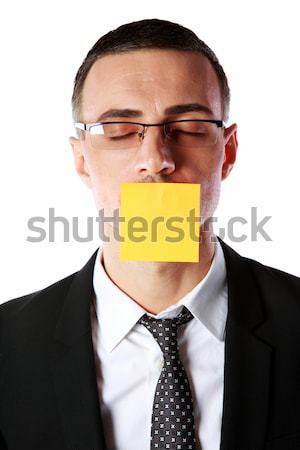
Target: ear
[(231, 146), (79, 160)]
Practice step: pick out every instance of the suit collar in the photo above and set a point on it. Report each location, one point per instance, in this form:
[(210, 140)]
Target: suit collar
[(74, 321), (74, 371), (245, 306), (248, 359)]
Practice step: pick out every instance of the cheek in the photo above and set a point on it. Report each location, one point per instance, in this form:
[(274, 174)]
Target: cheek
[(213, 161), (209, 174), (107, 172), (206, 166)]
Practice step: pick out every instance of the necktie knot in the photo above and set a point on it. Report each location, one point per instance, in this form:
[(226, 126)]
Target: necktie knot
[(165, 330)]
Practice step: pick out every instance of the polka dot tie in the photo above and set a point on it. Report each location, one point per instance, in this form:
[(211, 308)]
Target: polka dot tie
[(173, 415)]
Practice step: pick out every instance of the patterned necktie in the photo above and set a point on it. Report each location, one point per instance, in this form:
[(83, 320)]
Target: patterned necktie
[(173, 415)]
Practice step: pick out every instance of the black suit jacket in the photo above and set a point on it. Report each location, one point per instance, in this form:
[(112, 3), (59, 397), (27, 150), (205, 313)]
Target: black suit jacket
[(48, 391)]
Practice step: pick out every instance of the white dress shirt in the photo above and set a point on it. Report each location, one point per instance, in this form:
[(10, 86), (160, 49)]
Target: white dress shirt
[(129, 360)]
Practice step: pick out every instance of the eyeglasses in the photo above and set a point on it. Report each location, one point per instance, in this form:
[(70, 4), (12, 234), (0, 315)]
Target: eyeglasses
[(188, 134)]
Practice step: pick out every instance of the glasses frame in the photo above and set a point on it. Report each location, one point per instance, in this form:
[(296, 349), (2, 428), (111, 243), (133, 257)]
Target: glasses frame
[(141, 135), (88, 126)]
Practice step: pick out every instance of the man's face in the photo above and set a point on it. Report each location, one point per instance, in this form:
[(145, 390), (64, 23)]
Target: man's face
[(151, 82)]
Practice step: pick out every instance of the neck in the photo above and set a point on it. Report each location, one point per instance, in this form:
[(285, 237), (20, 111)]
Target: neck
[(157, 285)]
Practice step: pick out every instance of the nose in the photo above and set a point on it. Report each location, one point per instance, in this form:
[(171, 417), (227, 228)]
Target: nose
[(153, 155)]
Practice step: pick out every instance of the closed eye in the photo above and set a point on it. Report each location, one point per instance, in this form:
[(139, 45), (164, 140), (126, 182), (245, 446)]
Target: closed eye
[(190, 133), (123, 136)]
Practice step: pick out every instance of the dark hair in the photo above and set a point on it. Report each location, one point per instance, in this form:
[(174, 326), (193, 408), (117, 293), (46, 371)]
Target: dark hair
[(143, 34)]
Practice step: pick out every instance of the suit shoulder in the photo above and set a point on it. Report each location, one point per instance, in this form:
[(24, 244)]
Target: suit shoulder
[(280, 290), (267, 275), (31, 320), (54, 292), (273, 275), (52, 295)]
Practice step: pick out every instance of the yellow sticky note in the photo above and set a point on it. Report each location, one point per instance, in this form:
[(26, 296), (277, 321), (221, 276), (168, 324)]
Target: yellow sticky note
[(160, 221)]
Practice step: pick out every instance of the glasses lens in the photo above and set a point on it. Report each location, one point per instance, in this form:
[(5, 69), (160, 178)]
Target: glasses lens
[(193, 134), (115, 136)]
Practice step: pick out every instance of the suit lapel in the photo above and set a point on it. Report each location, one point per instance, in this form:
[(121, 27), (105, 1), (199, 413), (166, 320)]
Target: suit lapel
[(248, 358), (74, 372)]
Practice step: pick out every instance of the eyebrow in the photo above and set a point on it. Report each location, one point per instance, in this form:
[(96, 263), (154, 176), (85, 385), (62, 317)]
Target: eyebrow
[(171, 110)]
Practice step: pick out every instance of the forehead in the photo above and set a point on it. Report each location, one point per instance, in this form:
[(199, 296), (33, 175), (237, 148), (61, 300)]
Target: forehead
[(150, 80)]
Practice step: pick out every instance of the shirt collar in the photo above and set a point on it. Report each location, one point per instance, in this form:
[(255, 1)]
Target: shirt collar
[(117, 313)]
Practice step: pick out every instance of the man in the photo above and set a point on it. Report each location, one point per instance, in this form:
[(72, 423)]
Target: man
[(84, 366)]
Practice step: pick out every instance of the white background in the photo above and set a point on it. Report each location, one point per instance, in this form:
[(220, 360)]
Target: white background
[(42, 46)]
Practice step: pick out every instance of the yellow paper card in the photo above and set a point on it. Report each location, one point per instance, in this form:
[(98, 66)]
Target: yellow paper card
[(160, 222)]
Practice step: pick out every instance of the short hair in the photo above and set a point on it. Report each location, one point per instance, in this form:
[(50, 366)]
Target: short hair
[(148, 34)]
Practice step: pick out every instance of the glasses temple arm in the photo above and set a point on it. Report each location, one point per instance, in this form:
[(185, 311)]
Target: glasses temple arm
[(80, 126)]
